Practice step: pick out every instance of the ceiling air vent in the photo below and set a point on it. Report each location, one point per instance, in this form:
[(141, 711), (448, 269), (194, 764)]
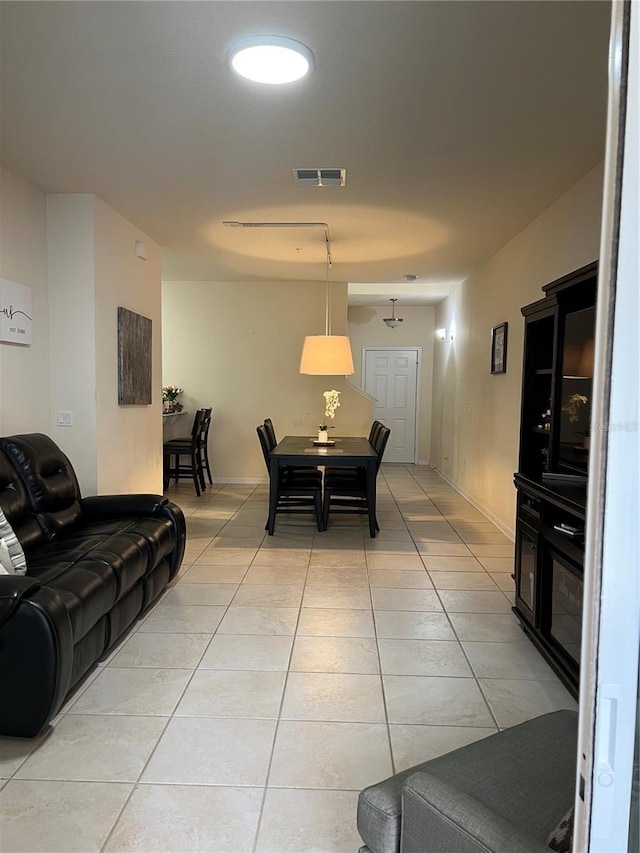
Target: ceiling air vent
[(320, 177)]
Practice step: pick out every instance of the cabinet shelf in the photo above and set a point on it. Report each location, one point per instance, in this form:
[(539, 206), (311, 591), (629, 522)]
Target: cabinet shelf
[(545, 371), (541, 430)]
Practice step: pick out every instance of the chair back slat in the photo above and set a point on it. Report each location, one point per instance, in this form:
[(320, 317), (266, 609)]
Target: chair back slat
[(376, 426), (207, 418), (264, 444), (204, 424), (271, 433), (381, 442), (197, 426)]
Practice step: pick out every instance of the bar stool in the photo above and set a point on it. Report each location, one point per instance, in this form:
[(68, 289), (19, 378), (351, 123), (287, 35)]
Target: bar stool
[(191, 447)]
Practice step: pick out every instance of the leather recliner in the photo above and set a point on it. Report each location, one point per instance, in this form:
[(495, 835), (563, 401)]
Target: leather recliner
[(93, 566)]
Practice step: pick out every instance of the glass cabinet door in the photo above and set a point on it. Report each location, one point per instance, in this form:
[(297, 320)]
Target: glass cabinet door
[(526, 567), (576, 393)]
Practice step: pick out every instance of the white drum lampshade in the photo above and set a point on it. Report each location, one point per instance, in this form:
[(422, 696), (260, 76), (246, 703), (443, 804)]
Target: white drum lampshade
[(326, 355)]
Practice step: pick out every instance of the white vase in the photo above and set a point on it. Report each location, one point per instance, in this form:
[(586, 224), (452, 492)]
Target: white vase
[(323, 436)]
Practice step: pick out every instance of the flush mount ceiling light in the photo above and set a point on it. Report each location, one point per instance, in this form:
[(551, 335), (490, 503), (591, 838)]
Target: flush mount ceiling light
[(271, 59), (393, 321)]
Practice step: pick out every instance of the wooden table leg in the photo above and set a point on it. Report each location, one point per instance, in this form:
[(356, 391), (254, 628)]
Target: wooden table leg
[(273, 495), (371, 496)]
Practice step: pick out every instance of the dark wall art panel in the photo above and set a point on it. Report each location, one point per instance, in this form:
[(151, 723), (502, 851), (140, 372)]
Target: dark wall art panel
[(134, 359)]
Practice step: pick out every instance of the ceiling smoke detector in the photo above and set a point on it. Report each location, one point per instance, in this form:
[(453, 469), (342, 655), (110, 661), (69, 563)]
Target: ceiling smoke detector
[(393, 321), (320, 177)]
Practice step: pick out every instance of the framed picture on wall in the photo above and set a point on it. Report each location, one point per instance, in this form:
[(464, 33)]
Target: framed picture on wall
[(134, 359), (15, 312), (499, 348)]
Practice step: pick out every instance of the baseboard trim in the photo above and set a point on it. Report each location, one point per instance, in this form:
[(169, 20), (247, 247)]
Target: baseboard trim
[(425, 462), (508, 532), (239, 481)]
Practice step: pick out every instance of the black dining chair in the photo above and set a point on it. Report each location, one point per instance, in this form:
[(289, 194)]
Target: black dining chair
[(376, 426), (205, 444), (309, 470), (191, 447), (296, 491), (345, 489)]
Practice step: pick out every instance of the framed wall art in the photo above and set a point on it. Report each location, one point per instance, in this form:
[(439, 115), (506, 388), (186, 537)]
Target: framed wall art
[(499, 348), (15, 312), (134, 359)]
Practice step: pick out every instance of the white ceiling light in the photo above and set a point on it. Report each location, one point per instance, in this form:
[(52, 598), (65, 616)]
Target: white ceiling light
[(392, 322), (271, 59)]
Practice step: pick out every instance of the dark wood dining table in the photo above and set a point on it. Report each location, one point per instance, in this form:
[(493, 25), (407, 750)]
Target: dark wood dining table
[(347, 452)]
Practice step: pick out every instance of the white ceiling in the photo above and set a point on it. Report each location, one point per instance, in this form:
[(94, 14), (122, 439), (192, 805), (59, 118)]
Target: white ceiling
[(458, 123)]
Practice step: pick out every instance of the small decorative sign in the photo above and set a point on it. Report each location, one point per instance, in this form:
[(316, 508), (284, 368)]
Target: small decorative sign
[(15, 312)]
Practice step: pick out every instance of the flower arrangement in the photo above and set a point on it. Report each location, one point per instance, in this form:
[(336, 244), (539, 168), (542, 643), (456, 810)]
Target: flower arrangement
[(170, 392), (573, 406), (331, 403), (169, 398)]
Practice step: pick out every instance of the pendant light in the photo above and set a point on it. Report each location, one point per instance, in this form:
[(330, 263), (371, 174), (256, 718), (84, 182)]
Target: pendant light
[(393, 321), (327, 355)]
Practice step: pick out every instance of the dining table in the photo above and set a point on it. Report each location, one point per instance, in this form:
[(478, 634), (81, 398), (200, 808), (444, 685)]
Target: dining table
[(302, 450)]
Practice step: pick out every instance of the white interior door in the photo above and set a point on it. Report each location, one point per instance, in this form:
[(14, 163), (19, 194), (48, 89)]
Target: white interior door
[(391, 376)]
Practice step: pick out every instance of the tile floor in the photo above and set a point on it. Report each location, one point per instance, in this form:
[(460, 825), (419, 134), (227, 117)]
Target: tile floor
[(280, 675)]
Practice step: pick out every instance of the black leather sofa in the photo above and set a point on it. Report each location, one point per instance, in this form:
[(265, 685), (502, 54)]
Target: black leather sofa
[(93, 566)]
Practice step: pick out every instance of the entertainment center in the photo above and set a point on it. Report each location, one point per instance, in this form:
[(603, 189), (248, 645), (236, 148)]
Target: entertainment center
[(551, 480)]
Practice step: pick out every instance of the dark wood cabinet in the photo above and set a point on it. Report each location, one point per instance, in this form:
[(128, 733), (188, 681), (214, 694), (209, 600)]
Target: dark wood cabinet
[(551, 480)]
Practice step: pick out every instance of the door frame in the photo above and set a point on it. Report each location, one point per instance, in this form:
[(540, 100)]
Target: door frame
[(363, 371), (611, 619)]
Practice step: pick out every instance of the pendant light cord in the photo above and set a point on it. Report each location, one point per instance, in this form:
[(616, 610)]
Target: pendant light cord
[(328, 298), (327, 243)]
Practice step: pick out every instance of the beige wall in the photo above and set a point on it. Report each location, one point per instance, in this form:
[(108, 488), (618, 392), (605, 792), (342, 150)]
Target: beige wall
[(129, 438), (92, 270), (476, 415), (236, 346), (72, 360), (366, 329), (24, 374)]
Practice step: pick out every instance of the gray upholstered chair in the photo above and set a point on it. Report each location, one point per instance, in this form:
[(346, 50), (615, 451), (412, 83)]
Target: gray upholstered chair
[(503, 794)]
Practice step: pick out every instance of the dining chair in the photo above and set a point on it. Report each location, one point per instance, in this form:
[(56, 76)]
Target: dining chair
[(311, 470), (205, 444), (345, 489), (373, 435), (297, 491), (191, 447)]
